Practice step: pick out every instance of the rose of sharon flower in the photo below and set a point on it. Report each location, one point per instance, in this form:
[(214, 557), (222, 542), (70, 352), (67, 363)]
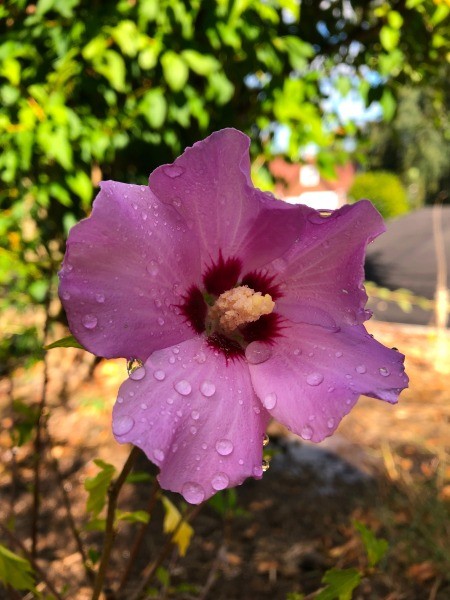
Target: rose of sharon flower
[(239, 306)]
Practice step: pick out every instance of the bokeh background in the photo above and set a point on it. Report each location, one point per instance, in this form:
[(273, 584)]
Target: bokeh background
[(342, 99)]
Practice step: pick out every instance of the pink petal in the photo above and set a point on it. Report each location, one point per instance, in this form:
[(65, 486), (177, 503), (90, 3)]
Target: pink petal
[(210, 186), (312, 376), (196, 416), (123, 273), (324, 271)]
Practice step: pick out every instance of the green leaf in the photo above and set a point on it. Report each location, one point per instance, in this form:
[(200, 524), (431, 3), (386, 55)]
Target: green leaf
[(175, 70), (441, 13), (341, 583), (95, 525), (389, 38), (395, 19), (182, 538), (81, 185), (112, 66), (97, 487), (65, 342), (127, 37), (202, 64), (15, 570), (138, 516), (153, 107), (388, 105), (375, 548)]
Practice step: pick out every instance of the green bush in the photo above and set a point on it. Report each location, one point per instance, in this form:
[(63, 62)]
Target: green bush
[(384, 190)]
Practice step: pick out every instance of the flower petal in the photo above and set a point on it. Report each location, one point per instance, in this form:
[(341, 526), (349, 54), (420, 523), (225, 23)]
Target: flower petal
[(196, 416), (324, 270), (312, 376), (210, 186), (124, 271)]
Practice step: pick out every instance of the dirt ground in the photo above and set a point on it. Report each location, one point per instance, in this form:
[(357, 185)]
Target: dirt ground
[(387, 466)]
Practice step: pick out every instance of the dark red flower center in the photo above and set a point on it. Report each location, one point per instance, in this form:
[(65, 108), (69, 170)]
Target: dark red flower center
[(219, 277)]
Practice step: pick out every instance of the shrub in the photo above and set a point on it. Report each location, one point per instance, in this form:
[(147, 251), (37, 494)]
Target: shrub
[(384, 190)]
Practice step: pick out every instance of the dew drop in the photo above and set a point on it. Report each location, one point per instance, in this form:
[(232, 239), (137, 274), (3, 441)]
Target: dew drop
[(361, 369), (200, 358), (306, 432), (193, 430), (220, 481), (297, 352), (144, 406), (173, 171), (314, 378), (65, 296), (257, 471), (158, 454), (270, 401), (330, 423), (384, 372), (265, 465), (280, 265), (68, 267), (152, 268), (161, 321), (137, 374), (266, 440), (338, 354), (119, 399), (183, 387), (257, 353), (224, 447), (195, 415), (100, 298), (193, 492), (208, 389), (89, 321), (123, 425), (159, 375)]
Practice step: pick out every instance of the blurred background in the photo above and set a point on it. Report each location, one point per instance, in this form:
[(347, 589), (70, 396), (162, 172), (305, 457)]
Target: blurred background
[(342, 99)]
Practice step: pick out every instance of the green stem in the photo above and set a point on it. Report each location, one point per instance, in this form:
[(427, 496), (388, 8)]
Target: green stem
[(110, 532)]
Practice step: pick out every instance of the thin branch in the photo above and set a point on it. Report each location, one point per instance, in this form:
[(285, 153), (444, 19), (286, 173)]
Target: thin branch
[(38, 439), (154, 497), (71, 521), (31, 560), (150, 570), (110, 532)]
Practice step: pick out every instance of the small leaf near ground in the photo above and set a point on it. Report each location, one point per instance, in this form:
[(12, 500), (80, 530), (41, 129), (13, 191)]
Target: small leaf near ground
[(341, 583), (65, 342), (182, 538), (15, 570)]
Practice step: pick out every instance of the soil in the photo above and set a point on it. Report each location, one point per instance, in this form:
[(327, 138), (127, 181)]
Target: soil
[(387, 466)]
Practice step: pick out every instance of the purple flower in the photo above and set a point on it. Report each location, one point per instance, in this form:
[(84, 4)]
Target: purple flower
[(239, 306)]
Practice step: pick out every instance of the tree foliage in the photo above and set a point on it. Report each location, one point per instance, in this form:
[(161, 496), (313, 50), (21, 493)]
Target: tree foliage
[(97, 90), (384, 189)]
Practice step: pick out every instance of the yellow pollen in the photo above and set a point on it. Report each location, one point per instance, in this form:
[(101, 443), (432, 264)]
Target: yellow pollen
[(238, 306)]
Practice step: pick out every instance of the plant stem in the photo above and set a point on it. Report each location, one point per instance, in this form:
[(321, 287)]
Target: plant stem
[(110, 531), (154, 497), (38, 439), (150, 570)]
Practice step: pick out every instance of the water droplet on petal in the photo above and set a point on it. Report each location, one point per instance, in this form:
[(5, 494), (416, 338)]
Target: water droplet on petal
[(200, 358), (280, 265), (220, 481), (270, 401), (122, 425), (137, 374), (297, 352), (384, 372), (159, 375), (224, 447), (306, 432), (330, 423), (193, 430), (100, 298), (314, 378), (257, 471), (257, 353), (265, 465), (193, 492), (338, 354), (361, 369), (68, 267), (65, 296), (158, 454), (119, 399), (266, 440), (89, 321), (173, 171), (208, 389), (161, 321), (152, 268), (183, 387), (144, 406), (195, 415)]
